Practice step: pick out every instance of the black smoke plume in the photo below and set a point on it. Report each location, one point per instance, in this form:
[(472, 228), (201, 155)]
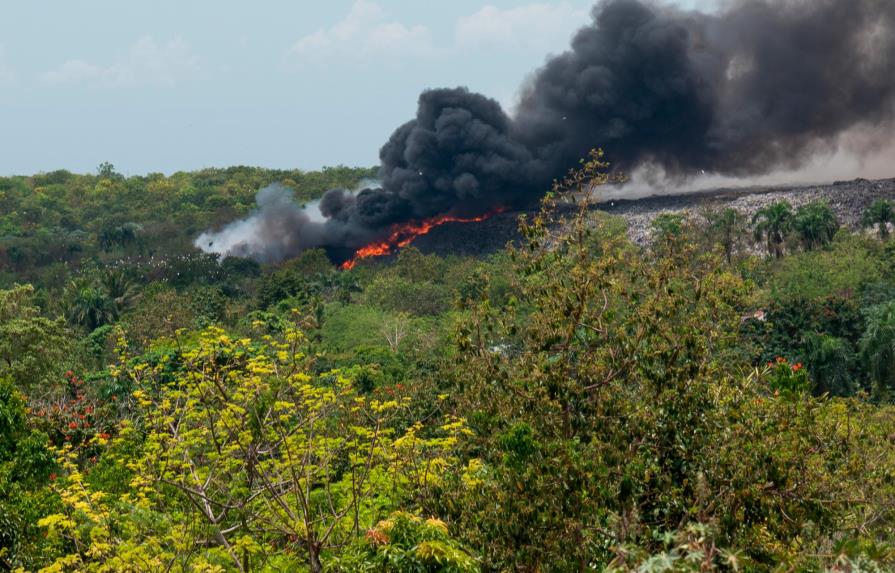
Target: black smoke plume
[(760, 85)]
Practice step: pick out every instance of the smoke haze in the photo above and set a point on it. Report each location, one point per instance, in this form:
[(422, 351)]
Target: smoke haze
[(760, 87)]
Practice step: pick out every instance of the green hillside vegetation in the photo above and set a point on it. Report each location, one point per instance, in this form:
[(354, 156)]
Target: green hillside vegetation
[(719, 401)]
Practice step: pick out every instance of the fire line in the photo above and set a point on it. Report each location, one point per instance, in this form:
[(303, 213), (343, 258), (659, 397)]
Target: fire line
[(404, 234)]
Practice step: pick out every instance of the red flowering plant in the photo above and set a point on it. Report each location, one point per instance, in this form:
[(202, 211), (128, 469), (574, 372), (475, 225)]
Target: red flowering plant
[(786, 378), (71, 418)]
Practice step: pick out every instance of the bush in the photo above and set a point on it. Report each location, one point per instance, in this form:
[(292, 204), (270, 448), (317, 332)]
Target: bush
[(405, 543), (398, 294)]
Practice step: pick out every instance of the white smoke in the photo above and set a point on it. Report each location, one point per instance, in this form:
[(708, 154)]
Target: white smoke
[(277, 229), (859, 155)]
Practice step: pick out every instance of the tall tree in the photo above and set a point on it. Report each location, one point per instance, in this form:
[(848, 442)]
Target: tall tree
[(32, 348), (829, 361), (880, 214), (122, 291), (88, 305), (252, 441), (878, 347), (726, 228), (815, 224), (771, 224), (551, 385), (25, 465)]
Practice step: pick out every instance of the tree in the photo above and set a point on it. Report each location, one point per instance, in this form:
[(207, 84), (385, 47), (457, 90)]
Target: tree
[(394, 329), (33, 349), (93, 303), (395, 293), (815, 224), (88, 305), (829, 361), (880, 215), (122, 235), (107, 171), (25, 466), (726, 228), (772, 223), (246, 439), (122, 291), (417, 267), (608, 358), (878, 347), (667, 229)]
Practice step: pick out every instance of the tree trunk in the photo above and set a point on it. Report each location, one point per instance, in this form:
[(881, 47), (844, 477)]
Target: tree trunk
[(314, 559)]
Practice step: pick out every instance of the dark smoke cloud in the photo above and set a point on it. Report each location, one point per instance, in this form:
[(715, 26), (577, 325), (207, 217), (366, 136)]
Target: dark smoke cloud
[(760, 85)]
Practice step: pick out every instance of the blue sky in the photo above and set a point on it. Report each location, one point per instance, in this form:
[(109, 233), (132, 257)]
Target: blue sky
[(172, 85)]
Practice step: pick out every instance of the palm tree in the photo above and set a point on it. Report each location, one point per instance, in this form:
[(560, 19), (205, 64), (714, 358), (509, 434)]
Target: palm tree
[(829, 361), (120, 290), (878, 346), (816, 225), (879, 215), (122, 235), (772, 223), (88, 306)]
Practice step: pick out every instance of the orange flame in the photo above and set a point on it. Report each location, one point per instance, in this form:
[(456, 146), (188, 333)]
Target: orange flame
[(404, 234)]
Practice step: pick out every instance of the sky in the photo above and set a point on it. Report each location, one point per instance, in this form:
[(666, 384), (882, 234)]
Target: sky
[(170, 85)]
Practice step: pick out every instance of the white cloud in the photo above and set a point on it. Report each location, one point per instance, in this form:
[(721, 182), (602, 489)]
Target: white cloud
[(8, 75), (73, 71), (364, 32), (541, 27), (146, 63)]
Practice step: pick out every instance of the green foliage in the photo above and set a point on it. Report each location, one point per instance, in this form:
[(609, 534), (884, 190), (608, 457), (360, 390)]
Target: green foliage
[(815, 224), (417, 267), (25, 467), (399, 294), (788, 380), (847, 267), (209, 305), (690, 549), (33, 349), (88, 306), (617, 410), (726, 227), (124, 236), (772, 223), (518, 443), (830, 361), (70, 220), (559, 398), (92, 303), (107, 171), (405, 543), (667, 226), (574, 403), (880, 214), (159, 313), (348, 328), (244, 439), (878, 347), (302, 280), (822, 293)]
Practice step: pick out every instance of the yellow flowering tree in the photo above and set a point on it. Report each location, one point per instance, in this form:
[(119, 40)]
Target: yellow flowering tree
[(249, 459)]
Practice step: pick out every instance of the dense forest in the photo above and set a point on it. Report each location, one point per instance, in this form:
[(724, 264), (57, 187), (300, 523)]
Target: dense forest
[(720, 400)]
